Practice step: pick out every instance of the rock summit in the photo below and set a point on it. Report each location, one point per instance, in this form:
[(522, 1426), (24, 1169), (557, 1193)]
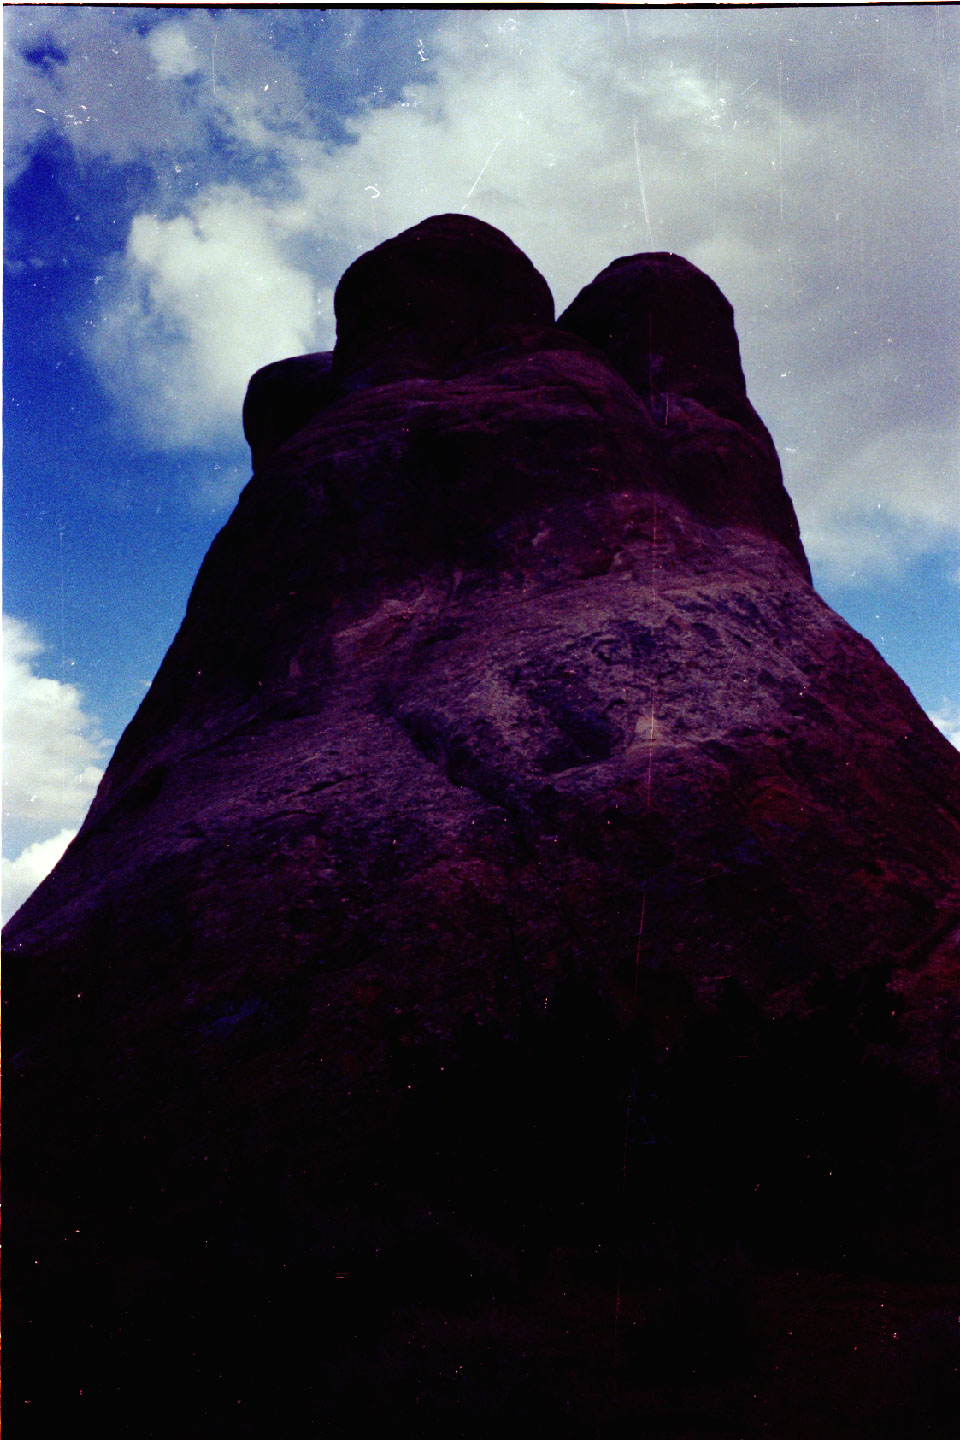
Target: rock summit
[(517, 930)]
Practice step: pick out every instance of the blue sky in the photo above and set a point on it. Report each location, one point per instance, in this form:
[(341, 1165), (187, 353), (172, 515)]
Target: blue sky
[(184, 188)]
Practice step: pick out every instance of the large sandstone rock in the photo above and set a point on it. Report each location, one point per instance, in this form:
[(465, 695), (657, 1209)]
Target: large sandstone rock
[(432, 299), (281, 398), (513, 855)]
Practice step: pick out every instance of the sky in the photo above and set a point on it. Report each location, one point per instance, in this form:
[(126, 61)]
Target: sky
[(184, 187)]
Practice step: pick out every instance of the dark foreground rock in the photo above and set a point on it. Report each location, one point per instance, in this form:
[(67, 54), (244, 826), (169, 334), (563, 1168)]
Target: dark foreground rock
[(508, 973)]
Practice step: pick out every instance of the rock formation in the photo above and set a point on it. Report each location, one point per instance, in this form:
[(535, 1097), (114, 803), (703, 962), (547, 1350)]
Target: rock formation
[(519, 922)]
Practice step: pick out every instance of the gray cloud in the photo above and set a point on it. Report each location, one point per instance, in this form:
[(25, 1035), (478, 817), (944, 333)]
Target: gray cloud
[(136, 85)]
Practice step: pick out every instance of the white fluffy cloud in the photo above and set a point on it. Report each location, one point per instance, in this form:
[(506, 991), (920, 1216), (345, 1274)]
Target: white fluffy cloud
[(204, 300), (22, 876), (52, 756)]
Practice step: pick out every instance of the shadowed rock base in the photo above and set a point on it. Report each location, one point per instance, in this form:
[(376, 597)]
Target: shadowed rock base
[(507, 978)]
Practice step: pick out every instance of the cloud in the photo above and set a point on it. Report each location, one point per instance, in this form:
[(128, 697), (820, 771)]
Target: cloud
[(891, 498), (22, 876), (542, 125), (52, 755), (947, 720), (806, 159), (173, 54), (137, 85), (202, 301)]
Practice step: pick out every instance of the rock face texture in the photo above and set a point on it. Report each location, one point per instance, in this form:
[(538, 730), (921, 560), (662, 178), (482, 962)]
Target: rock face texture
[(518, 928)]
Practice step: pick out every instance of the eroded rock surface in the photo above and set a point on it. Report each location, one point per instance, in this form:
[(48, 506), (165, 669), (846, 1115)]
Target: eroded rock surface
[(281, 398), (513, 855), (431, 299)]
